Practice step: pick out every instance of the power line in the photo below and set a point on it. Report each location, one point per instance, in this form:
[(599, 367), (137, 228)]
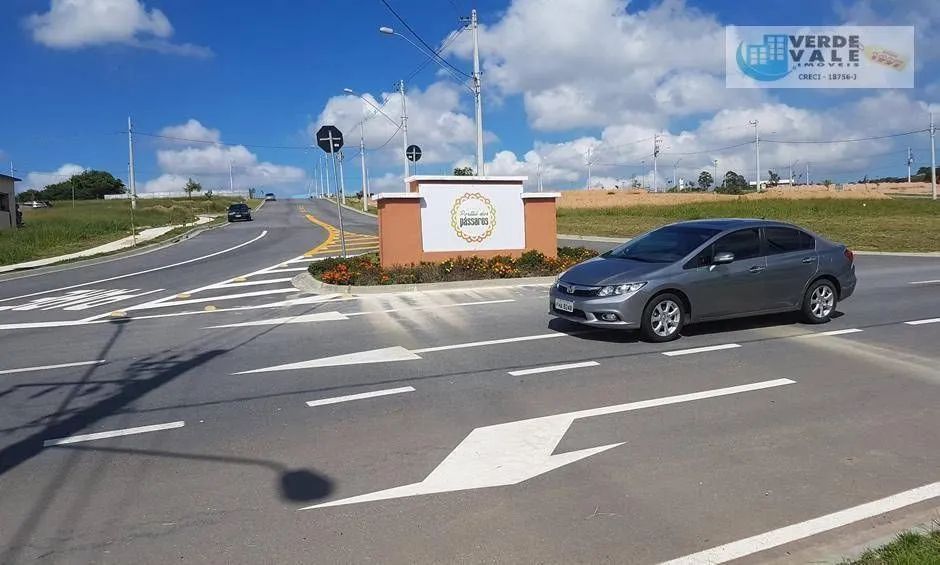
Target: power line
[(419, 38), (208, 142), (850, 140), (714, 150), (427, 61)]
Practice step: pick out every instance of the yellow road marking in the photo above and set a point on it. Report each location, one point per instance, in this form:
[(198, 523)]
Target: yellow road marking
[(183, 295), (333, 243), (209, 308)]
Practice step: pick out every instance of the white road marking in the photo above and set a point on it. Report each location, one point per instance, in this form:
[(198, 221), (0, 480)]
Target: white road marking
[(700, 349), (490, 342), (553, 368), (347, 398), (188, 261), (45, 367), (922, 322), (434, 307), (384, 355), (832, 332), (937, 281), (114, 433), (155, 304), (302, 319), (288, 270), (507, 454), (250, 283), (794, 532)]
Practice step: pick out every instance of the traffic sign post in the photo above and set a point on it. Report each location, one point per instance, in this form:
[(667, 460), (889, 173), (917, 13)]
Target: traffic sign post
[(330, 140), (413, 153)]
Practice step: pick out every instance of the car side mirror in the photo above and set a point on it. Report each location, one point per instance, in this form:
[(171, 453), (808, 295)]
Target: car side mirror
[(723, 258)]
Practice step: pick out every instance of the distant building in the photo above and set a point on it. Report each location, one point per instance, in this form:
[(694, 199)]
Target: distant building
[(7, 202)]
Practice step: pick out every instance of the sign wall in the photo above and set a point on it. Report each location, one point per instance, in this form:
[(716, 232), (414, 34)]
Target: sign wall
[(472, 217)]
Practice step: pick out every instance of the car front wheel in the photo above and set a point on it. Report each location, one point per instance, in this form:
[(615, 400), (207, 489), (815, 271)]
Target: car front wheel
[(819, 302), (663, 318)]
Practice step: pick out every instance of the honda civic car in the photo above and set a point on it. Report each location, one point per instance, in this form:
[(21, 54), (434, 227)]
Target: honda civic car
[(238, 212), (703, 270)]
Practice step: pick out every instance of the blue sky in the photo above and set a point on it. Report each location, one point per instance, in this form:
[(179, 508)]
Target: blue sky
[(556, 84)]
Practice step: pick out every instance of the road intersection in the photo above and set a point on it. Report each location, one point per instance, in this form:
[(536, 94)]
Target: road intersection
[(193, 405)]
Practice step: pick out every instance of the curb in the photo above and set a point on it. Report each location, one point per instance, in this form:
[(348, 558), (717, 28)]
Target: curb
[(305, 282), (900, 253), (91, 261), (597, 238)]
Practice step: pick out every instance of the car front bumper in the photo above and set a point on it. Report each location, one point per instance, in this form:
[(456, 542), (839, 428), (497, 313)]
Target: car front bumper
[(588, 309)]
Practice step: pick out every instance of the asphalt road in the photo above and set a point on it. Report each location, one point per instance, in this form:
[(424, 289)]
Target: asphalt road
[(687, 452)]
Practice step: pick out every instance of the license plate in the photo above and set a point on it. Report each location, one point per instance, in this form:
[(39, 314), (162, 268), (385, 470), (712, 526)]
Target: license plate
[(564, 305)]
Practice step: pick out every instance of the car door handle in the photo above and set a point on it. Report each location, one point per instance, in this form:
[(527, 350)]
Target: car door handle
[(756, 269), (808, 259)]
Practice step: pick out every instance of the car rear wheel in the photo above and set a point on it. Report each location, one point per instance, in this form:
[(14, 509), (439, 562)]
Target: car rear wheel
[(819, 302), (663, 318)]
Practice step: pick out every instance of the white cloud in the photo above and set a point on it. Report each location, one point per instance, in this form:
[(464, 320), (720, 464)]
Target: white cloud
[(40, 180), (435, 122), (209, 164), (71, 24), (594, 62), (192, 130)]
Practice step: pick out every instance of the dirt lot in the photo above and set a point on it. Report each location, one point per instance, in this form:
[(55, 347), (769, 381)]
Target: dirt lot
[(618, 198)]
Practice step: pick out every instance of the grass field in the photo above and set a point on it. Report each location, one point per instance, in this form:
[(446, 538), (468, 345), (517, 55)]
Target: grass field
[(874, 225), (63, 229), (910, 548)]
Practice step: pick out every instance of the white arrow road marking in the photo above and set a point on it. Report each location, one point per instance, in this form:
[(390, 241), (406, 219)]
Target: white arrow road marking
[(384, 355), (302, 319), (507, 454)]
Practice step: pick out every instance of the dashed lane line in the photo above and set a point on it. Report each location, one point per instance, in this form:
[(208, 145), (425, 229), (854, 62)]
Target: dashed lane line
[(113, 433), (361, 396), (831, 333), (553, 368), (936, 281), (922, 322), (700, 349), (47, 367)]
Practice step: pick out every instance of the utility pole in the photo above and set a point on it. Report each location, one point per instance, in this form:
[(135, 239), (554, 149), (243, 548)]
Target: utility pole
[(404, 130), (791, 170), (538, 174), (807, 173), (755, 123), (590, 150), (362, 163), (933, 159), (656, 141), (716, 173), (342, 179), (231, 179), (675, 174), (477, 91), (130, 163), (910, 161)]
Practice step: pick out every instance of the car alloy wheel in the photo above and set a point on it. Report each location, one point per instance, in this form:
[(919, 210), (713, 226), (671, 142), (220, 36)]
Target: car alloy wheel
[(665, 318), (822, 301)]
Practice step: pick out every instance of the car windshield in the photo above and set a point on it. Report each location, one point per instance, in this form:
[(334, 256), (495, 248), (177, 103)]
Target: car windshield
[(664, 245)]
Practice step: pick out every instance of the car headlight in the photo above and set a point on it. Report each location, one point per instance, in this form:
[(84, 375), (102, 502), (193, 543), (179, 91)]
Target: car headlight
[(614, 290)]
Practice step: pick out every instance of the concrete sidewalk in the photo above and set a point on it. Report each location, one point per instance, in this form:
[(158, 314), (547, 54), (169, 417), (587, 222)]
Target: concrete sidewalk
[(144, 236)]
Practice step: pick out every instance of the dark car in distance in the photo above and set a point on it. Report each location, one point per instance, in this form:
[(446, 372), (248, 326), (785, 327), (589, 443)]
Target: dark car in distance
[(239, 211), (706, 270)]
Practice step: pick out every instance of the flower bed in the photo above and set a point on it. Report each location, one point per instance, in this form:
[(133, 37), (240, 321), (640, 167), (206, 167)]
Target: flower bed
[(365, 270)]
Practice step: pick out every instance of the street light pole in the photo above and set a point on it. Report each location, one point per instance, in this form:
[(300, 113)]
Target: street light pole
[(933, 159), (656, 140), (715, 180), (477, 92), (675, 174), (231, 179), (132, 180), (755, 123), (910, 161), (362, 164), (404, 130)]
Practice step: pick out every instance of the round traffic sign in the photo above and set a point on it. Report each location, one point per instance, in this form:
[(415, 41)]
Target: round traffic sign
[(413, 153)]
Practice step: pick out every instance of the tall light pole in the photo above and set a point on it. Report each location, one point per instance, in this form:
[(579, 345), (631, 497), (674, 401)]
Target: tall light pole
[(404, 128), (933, 159), (538, 174), (675, 174), (807, 173), (131, 179), (715, 180), (910, 161), (475, 78), (590, 151), (656, 140), (231, 179), (756, 124), (792, 162)]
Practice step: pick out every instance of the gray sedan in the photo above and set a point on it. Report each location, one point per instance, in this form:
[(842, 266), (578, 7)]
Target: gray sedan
[(706, 270)]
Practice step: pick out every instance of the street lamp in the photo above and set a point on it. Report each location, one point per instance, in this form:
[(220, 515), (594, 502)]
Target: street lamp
[(403, 126), (675, 174), (476, 89)]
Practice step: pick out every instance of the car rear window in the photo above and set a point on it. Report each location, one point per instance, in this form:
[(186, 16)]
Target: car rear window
[(238, 207), (787, 240), (664, 245)]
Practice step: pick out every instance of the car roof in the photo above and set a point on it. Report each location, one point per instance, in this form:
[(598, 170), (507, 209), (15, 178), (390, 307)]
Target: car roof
[(724, 224)]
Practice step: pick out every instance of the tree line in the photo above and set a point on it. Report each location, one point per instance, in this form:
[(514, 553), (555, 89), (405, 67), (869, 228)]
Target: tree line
[(88, 185)]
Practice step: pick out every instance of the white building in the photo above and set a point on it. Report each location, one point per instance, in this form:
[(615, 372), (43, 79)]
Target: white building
[(7, 202)]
